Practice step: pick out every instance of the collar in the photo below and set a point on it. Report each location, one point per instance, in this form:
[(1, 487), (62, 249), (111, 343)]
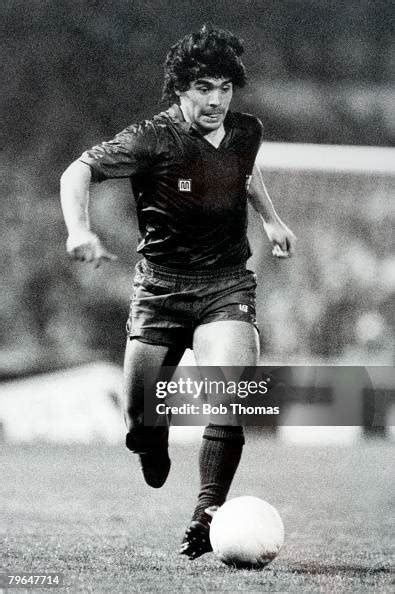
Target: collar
[(177, 117)]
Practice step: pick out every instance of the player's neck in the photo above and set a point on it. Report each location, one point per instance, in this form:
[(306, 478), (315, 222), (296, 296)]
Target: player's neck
[(214, 137)]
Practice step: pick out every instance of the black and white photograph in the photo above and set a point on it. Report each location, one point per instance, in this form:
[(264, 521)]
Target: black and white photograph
[(197, 390)]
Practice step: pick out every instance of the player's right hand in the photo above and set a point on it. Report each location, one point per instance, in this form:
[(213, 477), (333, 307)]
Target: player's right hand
[(282, 238), (87, 247)]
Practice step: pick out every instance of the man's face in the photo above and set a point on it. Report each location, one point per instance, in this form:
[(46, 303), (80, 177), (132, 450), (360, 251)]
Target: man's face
[(206, 102)]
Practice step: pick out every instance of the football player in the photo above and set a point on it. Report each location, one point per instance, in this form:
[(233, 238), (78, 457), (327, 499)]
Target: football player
[(192, 169)]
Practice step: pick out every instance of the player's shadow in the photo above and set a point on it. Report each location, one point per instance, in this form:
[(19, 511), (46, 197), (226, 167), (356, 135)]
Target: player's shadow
[(325, 569)]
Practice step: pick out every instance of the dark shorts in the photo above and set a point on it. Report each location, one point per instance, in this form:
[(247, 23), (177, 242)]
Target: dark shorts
[(167, 305)]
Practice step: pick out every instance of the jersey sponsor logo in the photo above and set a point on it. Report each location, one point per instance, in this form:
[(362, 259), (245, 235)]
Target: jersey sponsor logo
[(185, 185), (243, 307)]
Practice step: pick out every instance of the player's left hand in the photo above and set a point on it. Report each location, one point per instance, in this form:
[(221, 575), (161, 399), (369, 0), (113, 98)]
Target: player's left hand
[(282, 238)]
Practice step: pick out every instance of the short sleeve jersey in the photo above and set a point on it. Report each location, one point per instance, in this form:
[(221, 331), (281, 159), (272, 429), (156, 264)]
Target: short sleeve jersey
[(191, 197)]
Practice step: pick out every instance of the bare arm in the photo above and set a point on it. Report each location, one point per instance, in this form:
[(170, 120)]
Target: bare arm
[(74, 197), (279, 234), (82, 243)]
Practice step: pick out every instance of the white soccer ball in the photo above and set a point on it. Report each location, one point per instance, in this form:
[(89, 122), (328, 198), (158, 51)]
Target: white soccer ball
[(246, 532)]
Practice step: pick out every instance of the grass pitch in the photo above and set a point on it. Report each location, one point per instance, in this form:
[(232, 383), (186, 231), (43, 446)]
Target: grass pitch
[(85, 511)]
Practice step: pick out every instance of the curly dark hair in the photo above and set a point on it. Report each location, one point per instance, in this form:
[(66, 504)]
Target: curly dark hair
[(209, 52)]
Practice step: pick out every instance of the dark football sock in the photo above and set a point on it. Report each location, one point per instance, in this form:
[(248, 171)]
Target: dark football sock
[(143, 439), (219, 458)]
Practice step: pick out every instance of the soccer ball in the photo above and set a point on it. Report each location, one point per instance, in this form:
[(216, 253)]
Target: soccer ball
[(246, 532)]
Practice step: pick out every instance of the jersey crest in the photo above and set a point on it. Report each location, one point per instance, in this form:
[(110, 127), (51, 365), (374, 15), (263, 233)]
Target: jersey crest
[(185, 185)]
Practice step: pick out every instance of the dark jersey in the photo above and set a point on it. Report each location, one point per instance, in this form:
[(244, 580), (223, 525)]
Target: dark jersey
[(191, 197)]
